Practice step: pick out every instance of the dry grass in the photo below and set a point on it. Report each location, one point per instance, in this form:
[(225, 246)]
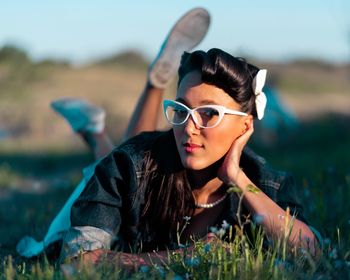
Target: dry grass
[(309, 90)]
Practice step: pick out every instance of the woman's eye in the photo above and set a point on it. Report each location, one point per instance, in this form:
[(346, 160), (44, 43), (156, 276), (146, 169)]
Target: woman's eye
[(180, 111), (211, 112)]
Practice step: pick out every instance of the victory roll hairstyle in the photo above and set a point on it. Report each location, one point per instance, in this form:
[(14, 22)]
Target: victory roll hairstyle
[(232, 74)]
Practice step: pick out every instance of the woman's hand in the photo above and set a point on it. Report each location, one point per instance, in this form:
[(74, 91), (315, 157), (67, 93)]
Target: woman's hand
[(230, 169), (126, 261)]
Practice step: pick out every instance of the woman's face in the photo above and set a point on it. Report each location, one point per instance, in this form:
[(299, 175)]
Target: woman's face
[(201, 147)]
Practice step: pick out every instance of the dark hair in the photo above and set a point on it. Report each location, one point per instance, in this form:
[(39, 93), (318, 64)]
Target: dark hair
[(231, 74), (166, 191)]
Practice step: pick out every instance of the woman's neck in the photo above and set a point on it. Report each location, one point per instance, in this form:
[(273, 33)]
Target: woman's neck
[(204, 182)]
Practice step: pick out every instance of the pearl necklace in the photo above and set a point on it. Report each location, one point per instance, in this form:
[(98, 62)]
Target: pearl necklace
[(211, 205)]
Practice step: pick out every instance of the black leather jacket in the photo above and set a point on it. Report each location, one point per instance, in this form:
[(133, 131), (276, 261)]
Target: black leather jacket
[(106, 215)]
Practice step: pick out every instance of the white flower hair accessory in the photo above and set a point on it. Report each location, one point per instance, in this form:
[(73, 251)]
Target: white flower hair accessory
[(260, 97)]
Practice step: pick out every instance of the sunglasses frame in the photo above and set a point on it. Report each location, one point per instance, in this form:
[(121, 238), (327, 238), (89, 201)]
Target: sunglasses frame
[(190, 112)]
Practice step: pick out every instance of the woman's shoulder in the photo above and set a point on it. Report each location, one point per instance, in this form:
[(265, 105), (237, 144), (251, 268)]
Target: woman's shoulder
[(144, 146), (279, 185)]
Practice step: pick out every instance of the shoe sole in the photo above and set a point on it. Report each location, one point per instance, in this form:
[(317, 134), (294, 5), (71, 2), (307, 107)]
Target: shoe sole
[(187, 33)]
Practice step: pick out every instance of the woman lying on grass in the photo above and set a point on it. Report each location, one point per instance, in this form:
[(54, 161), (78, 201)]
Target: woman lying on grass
[(140, 194), (159, 183)]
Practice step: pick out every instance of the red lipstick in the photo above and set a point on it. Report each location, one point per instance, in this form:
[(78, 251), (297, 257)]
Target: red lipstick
[(190, 147)]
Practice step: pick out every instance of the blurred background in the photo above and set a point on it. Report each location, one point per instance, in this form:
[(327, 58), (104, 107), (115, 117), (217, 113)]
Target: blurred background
[(99, 50)]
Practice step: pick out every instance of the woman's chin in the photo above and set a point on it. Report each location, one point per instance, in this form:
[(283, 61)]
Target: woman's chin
[(194, 164), (200, 164)]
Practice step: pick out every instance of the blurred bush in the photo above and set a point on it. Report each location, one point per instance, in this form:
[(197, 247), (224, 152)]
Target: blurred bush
[(13, 54)]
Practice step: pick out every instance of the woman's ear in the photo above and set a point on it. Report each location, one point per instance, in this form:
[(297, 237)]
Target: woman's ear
[(248, 122)]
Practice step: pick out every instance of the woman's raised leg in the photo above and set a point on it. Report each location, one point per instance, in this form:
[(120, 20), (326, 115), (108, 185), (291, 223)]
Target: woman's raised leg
[(88, 121), (187, 33)]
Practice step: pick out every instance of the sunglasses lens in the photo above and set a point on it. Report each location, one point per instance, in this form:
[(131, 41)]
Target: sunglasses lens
[(175, 113), (207, 117)]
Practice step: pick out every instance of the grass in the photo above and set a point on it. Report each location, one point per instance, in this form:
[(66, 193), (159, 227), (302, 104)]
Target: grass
[(8, 178), (242, 258)]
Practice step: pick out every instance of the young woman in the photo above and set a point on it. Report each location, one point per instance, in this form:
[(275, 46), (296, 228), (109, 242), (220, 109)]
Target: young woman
[(140, 193)]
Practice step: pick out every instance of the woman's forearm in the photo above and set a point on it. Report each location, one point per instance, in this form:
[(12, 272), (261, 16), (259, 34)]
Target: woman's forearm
[(276, 221)]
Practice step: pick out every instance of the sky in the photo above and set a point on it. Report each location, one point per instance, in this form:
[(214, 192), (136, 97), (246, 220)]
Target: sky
[(86, 30)]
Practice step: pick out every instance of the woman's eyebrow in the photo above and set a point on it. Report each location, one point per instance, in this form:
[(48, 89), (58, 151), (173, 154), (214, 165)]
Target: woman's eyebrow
[(202, 102), (208, 102), (181, 100)]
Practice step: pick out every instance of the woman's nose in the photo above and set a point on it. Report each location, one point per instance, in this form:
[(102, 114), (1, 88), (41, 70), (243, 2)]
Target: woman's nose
[(190, 126)]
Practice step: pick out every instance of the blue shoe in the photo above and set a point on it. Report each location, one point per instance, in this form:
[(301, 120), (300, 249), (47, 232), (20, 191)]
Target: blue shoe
[(80, 114), (187, 33)]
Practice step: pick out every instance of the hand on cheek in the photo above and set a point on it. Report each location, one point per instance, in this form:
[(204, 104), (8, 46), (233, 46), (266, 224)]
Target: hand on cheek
[(229, 169)]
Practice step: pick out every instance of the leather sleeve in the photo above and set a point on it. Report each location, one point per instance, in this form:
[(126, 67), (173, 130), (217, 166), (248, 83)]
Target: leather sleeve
[(287, 196), (106, 199)]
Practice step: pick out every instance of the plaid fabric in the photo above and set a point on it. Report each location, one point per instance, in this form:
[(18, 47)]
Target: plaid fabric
[(80, 239)]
